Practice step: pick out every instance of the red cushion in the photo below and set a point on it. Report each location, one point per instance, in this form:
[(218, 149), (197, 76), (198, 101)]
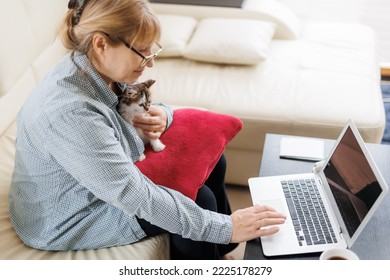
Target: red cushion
[(194, 143)]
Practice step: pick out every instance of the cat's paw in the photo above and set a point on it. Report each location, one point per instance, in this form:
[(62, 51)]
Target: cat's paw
[(157, 145), (142, 157)]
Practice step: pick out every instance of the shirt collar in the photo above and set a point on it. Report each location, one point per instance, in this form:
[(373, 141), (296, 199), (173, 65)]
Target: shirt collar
[(101, 89)]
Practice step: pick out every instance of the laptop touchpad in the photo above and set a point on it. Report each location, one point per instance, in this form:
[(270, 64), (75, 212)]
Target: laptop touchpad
[(274, 203)]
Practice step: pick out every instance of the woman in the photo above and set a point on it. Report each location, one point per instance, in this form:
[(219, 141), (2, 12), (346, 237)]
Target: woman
[(75, 185)]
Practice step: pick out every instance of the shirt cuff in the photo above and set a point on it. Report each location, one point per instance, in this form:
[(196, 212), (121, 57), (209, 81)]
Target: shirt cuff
[(221, 230), (169, 111)]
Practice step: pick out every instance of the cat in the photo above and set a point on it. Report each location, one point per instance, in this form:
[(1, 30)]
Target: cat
[(135, 100)]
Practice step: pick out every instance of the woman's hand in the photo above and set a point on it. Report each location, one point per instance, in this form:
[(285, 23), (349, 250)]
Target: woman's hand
[(154, 124), (248, 223)]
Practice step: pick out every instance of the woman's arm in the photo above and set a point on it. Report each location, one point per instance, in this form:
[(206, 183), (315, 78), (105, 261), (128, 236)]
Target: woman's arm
[(88, 145)]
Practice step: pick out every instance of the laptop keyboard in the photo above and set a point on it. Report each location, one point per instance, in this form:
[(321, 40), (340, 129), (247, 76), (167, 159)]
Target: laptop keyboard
[(311, 222)]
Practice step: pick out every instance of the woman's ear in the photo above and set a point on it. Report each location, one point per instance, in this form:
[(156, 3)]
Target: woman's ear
[(99, 44)]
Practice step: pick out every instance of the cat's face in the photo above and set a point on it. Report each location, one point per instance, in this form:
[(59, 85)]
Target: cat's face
[(137, 94), (135, 99)]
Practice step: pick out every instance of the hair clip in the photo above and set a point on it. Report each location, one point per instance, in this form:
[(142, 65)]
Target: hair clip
[(72, 4), (78, 7)]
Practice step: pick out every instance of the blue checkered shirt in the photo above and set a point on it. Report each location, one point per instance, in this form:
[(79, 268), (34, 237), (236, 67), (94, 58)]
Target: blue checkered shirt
[(75, 185)]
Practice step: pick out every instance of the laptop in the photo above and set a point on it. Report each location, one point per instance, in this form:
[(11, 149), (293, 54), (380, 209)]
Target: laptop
[(327, 208)]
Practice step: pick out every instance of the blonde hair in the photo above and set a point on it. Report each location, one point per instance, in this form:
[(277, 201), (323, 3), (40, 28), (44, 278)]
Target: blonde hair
[(131, 20)]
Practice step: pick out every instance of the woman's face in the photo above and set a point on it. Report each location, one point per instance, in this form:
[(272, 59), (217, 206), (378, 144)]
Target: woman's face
[(120, 64)]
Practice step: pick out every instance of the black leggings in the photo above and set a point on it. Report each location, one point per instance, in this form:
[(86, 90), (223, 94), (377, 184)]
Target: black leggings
[(211, 196)]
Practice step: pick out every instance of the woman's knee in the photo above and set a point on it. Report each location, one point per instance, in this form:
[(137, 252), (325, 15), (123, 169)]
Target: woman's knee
[(206, 199), (220, 167)]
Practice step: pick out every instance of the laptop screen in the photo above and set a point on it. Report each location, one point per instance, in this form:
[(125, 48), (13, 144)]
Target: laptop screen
[(352, 181)]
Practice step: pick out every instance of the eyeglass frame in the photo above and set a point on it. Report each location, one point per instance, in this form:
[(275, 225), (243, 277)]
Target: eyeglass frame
[(145, 59)]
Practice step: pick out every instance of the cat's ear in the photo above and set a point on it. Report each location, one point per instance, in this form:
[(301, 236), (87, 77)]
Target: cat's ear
[(149, 83)]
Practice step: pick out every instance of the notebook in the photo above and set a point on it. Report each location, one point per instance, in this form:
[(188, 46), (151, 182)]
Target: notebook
[(327, 208)]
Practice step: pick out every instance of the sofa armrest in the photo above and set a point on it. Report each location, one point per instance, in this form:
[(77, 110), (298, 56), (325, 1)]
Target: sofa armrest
[(288, 25)]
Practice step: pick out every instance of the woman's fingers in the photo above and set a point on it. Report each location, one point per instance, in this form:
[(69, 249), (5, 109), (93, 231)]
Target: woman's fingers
[(153, 124)]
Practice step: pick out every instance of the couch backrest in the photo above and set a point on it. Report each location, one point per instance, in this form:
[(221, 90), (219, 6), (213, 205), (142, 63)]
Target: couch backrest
[(27, 28), (288, 26), (27, 51)]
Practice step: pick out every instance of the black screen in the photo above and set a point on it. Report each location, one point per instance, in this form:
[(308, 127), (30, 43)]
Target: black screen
[(352, 181)]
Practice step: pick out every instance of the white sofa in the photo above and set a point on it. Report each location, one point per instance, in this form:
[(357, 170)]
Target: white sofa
[(315, 76)]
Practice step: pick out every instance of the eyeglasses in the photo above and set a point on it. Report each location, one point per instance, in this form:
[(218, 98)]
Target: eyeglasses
[(156, 49)]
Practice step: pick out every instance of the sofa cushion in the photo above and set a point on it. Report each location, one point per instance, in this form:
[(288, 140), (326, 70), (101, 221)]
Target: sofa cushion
[(176, 31), (230, 41), (194, 143)]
